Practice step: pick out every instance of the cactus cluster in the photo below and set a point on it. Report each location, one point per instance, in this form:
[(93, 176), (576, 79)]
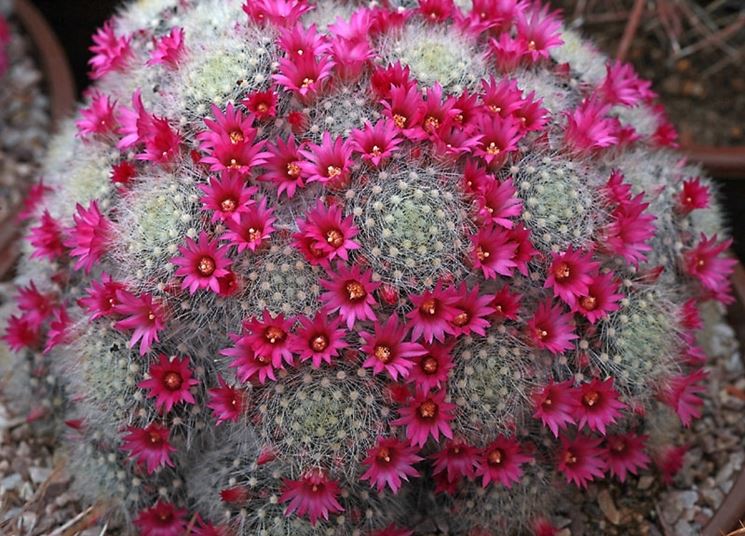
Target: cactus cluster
[(342, 268)]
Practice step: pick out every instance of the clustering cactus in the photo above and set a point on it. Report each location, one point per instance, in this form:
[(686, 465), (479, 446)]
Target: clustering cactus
[(337, 268)]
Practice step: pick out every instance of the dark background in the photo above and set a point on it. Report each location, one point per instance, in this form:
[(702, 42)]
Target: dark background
[(74, 21)]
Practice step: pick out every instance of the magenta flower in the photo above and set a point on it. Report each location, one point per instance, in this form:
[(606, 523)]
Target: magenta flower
[(20, 333), (387, 351), (623, 86), (101, 299), (600, 299), (170, 382), (350, 292), (694, 196), (270, 337), (426, 414), (161, 519), (629, 230), (262, 104), (551, 328), (58, 328), (500, 137), (588, 127), (35, 305), (46, 238), (169, 49), (525, 251), (531, 116), (304, 75), (144, 314), (438, 114), (498, 202), (384, 78), (501, 97), (314, 495), (451, 142), (329, 162), (319, 339), (99, 118), (430, 370), (33, 199), (149, 446), (538, 30), (350, 56), (436, 10), (252, 228), (276, 12), (472, 310), (201, 263), (376, 143), (707, 263), (501, 461), (89, 237), (110, 52), (669, 461), (597, 405), (570, 274), (625, 454), (227, 196), (581, 460), (227, 402), (230, 141), (508, 52), (390, 462), (457, 460), (249, 363), (325, 235), (283, 166), (494, 252), (680, 393), (161, 141), (405, 107), (505, 303), (298, 41), (555, 406)]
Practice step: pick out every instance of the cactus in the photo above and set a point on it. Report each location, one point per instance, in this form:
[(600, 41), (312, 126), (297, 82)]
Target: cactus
[(332, 268)]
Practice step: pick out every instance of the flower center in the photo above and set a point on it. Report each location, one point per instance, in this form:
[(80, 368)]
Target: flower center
[(531, 45), (384, 455), (333, 171), (236, 136), (173, 380), (227, 205), (562, 272), (495, 457), (274, 335), (293, 169), (482, 254), (493, 149), (588, 303), (262, 359), (541, 333), (383, 353), (618, 446), (494, 108), (334, 237), (262, 108), (319, 343), (430, 365), (429, 307), (427, 409), (254, 234), (547, 403), (591, 398), (307, 82), (206, 266), (431, 123), (375, 151), (355, 291), (399, 120), (461, 319), (569, 458), (154, 438)]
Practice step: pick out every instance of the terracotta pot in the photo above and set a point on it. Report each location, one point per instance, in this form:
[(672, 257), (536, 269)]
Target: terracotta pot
[(59, 88), (719, 161)]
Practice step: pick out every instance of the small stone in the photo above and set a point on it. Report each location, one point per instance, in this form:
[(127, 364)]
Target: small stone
[(712, 497), (608, 507), (645, 482), (683, 528), (39, 475), (11, 481)]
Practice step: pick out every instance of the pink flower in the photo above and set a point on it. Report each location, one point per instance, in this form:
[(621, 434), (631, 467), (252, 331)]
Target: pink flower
[(329, 162), (101, 300), (270, 337), (629, 230), (304, 75), (433, 314), (508, 52), (20, 333), (493, 252), (436, 10), (262, 104), (438, 115), (169, 49), (227, 402), (161, 519), (319, 339), (35, 306), (588, 128), (472, 310), (149, 446), (252, 228), (99, 118), (531, 115), (426, 414), (467, 108), (170, 382), (122, 173), (500, 137), (669, 460), (283, 166), (314, 495), (32, 200), (430, 370), (227, 196), (383, 79), (390, 462), (555, 405), (597, 405), (89, 237), (145, 315), (457, 458), (623, 86), (350, 56), (502, 98), (58, 328), (581, 460), (451, 142), (405, 107), (376, 143), (201, 263), (525, 251), (600, 299), (277, 12), (110, 52), (350, 291), (570, 274), (298, 41), (538, 30), (498, 202), (501, 461), (680, 393), (161, 141), (324, 235), (693, 196), (551, 329), (706, 263), (46, 238), (625, 454), (248, 362), (387, 351), (230, 141), (505, 303)]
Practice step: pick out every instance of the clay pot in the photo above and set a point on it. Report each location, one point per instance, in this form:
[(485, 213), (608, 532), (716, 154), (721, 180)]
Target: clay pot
[(722, 162)]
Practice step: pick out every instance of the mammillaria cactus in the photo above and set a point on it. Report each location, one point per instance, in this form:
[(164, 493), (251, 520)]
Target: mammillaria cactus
[(338, 268)]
